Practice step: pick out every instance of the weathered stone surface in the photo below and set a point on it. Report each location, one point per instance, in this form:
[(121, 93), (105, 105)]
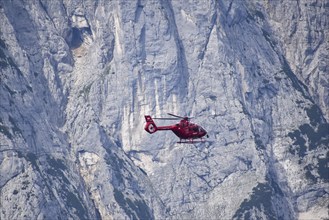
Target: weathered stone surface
[(77, 77)]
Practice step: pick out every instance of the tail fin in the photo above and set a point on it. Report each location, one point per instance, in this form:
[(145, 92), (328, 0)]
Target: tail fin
[(150, 126)]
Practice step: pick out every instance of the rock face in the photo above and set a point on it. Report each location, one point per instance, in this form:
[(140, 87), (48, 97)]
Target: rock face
[(77, 77)]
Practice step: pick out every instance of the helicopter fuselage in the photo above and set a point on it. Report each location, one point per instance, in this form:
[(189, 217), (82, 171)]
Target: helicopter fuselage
[(184, 129)]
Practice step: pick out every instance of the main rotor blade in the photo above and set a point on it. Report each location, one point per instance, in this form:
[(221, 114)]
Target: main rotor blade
[(166, 119), (177, 116)]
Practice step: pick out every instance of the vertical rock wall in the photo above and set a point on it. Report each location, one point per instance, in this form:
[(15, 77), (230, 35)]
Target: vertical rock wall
[(77, 77)]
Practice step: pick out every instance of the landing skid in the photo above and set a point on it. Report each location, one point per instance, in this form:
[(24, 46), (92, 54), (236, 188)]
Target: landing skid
[(191, 141)]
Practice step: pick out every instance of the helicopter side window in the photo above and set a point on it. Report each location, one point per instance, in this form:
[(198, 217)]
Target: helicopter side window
[(195, 129)]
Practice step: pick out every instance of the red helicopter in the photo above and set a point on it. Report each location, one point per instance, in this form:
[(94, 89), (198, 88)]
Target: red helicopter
[(185, 130)]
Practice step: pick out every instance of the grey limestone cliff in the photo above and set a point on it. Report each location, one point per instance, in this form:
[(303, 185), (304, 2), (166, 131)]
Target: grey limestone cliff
[(78, 76)]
